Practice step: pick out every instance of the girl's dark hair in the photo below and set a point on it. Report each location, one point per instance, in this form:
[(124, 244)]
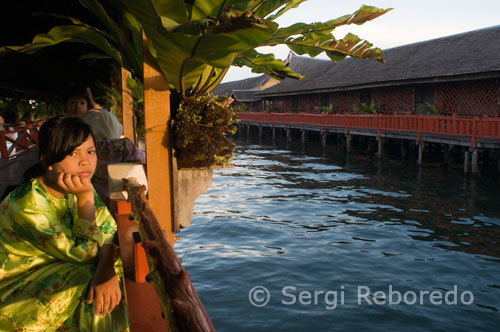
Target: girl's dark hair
[(58, 137)]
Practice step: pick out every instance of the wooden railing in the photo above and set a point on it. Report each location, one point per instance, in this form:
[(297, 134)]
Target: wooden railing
[(17, 139), (473, 127)]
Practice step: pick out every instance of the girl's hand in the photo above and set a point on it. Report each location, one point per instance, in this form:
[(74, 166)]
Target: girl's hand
[(105, 290), (80, 186)]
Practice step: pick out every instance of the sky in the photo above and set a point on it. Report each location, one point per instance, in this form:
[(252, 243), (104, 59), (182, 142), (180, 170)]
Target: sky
[(408, 22)]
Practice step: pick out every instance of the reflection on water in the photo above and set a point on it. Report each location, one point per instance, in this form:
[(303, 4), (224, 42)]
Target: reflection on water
[(327, 221)]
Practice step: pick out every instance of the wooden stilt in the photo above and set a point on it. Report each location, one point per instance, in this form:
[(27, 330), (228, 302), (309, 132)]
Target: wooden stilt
[(288, 135), (420, 153), (466, 162), (404, 149), (369, 149), (260, 131), (475, 162), (447, 154), (323, 140), (274, 133), (380, 147), (304, 136), (348, 143)]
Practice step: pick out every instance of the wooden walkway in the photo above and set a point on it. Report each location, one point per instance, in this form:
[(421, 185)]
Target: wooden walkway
[(11, 171), (473, 135), (476, 132)]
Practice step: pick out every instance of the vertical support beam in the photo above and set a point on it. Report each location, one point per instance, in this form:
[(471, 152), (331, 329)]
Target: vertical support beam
[(348, 143), (159, 147), (274, 133), (404, 149), (323, 140), (380, 150), (447, 154), (260, 131), (497, 157), (475, 162), (467, 162), (304, 136), (127, 108), (420, 158), (248, 131)]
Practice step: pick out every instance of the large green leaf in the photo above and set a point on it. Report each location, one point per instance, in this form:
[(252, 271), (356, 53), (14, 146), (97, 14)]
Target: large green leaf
[(350, 45), (133, 61), (175, 10), (265, 64), (364, 14), (289, 5), (67, 33)]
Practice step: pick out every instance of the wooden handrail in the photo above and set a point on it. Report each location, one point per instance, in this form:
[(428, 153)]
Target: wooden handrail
[(473, 127), (26, 138), (180, 303)]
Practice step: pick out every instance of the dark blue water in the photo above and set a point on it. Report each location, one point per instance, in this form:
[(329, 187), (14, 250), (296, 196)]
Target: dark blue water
[(327, 235)]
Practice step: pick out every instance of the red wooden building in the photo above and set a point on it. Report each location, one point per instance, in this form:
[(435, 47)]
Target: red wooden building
[(456, 74)]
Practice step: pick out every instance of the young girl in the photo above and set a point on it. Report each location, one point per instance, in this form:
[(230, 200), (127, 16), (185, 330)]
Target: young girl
[(57, 242)]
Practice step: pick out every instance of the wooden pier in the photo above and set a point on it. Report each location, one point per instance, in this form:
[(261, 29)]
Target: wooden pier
[(472, 134)]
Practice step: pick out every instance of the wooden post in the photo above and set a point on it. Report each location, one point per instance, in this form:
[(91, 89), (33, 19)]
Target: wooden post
[(260, 131), (127, 108), (288, 135), (274, 133), (467, 162), (323, 140), (158, 147), (420, 153), (304, 136), (404, 149), (447, 154), (348, 143), (497, 157), (380, 150), (475, 162)]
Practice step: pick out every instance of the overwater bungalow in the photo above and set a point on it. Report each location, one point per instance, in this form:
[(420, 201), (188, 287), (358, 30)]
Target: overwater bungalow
[(444, 91), (458, 74)]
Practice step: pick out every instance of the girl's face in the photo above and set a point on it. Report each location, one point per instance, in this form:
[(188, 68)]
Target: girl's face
[(82, 162), (76, 106)]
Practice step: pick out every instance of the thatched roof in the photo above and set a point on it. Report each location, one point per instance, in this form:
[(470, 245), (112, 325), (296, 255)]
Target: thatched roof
[(253, 83), (464, 56), (245, 95), (301, 65)]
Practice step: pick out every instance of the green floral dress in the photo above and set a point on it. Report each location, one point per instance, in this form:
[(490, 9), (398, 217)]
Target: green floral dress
[(48, 256)]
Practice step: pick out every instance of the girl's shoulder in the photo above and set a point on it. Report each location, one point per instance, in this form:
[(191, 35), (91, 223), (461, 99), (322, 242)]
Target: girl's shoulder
[(30, 195)]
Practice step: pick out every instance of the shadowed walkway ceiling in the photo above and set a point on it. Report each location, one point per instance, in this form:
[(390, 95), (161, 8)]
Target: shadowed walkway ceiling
[(52, 69)]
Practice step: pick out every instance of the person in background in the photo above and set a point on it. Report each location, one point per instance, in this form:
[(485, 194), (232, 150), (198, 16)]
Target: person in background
[(58, 265), (111, 148), (80, 102)]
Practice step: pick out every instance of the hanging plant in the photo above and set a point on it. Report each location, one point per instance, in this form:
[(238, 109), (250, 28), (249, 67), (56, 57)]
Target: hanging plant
[(200, 129)]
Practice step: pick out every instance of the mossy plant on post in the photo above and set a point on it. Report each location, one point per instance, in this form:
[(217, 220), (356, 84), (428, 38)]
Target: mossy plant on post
[(200, 131)]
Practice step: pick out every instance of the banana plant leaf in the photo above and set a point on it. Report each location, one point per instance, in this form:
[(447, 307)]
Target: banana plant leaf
[(193, 43)]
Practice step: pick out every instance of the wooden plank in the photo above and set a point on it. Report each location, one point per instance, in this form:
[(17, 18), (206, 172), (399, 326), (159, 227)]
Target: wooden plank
[(158, 147), (127, 108)]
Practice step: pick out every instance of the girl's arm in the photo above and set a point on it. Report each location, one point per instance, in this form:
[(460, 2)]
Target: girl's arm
[(105, 288)]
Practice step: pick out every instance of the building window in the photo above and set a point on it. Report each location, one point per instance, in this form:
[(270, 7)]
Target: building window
[(424, 93), (324, 99), (365, 96), (295, 104)]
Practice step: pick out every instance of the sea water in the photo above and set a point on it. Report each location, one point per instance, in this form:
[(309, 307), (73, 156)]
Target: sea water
[(296, 239)]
